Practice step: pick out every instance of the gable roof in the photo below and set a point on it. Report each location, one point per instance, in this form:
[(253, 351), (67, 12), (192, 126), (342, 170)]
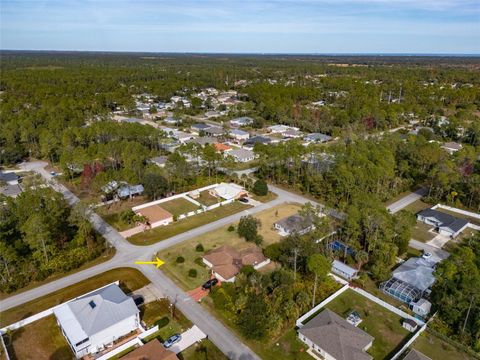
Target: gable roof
[(337, 337), (154, 213), (417, 272), (200, 126), (222, 147), (241, 154), (317, 137), (416, 355), (229, 191), (258, 140), (238, 132), (295, 222), (444, 220), (94, 312)]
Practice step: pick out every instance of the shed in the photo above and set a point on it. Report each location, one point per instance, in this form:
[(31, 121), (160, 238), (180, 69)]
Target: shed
[(344, 270)]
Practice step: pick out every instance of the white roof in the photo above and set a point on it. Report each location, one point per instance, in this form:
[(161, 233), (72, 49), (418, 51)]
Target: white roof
[(344, 268), (228, 191)]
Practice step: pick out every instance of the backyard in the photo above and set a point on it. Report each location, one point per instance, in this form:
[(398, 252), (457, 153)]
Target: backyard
[(130, 280), (111, 213), (178, 206), (164, 232), (436, 348), (207, 199), (383, 325)]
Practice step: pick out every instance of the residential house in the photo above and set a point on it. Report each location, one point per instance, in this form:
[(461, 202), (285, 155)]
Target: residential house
[(241, 121), (294, 224), (92, 322), (204, 140), (292, 134), (9, 178), (228, 191), (416, 355), (317, 138), (452, 147), (410, 281), (214, 131), (152, 350), (212, 114), (239, 134), (333, 338), (226, 262), (257, 140), (182, 136), (156, 215), (280, 129), (410, 325), (344, 270), (170, 120), (197, 128), (445, 224), (160, 161), (242, 155), (128, 191), (222, 148), (10, 190)]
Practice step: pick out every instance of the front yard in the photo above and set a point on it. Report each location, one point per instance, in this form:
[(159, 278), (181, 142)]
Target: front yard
[(164, 232), (383, 325), (421, 232)]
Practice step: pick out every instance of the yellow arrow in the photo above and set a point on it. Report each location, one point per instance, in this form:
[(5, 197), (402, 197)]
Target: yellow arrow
[(157, 262)]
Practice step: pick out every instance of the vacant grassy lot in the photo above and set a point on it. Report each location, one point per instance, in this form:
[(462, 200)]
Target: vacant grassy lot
[(157, 313), (421, 232), (178, 206), (417, 206), (204, 350), (264, 199), (130, 279), (436, 348), (111, 213), (206, 199), (164, 232), (383, 325), (39, 340)]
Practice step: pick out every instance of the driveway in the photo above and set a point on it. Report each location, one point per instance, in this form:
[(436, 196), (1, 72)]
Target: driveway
[(437, 254), (189, 337), (406, 200)]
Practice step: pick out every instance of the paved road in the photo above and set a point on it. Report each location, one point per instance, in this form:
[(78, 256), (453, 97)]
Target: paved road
[(437, 254), (406, 200)]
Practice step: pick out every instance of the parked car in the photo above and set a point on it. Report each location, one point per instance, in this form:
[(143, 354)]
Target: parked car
[(426, 255), (243, 199), (172, 340), (209, 284)]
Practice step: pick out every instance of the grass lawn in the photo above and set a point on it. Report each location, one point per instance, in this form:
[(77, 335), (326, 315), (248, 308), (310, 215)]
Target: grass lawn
[(272, 215), (204, 350), (155, 312), (207, 199), (107, 255), (130, 280), (383, 325), (417, 206), (266, 198), (436, 348), (411, 252), (453, 243), (178, 206), (164, 232), (473, 220), (421, 232), (41, 339), (111, 213)]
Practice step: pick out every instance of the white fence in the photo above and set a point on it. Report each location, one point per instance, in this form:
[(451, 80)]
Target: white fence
[(460, 211), (121, 348), (409, 342)]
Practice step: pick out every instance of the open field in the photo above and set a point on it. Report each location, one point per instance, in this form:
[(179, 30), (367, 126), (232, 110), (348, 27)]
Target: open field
[(111, 213), (107, 255), (421, 232), (436, 348), (178, 206), (216, 238), (39, 340), (417, 206), (130, 280), (383, 325), (164, 232)]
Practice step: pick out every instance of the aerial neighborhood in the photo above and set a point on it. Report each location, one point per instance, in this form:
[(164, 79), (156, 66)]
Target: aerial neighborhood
[(239, 207)]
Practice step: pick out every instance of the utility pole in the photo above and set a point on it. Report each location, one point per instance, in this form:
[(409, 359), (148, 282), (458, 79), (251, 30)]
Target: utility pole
[(295, 255)]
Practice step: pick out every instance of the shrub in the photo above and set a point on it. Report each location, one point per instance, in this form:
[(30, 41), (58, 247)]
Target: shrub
[(192, 273), (199, 248), (162, 322), (248, 270), (231, 228), (199, 261), (260, 188), (180, 260), (247, 228)]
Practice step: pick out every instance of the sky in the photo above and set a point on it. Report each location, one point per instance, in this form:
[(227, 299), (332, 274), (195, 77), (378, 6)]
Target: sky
[(245, 26)]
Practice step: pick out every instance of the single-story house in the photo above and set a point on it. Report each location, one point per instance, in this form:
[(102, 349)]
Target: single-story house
[(228, 191), (317, 138), (241, 121), (152, 350), (242, 155), (171, 120), (445, 224), (212, 114), (204, 140), (410, 325), (416, 355), (334, 338), (280, 129), (257, 140), (197, 128), (127, 191), (239, 134), (452, 147), (10, 190), (292, 134), (156, 215), (182, 136), (294, 224), (220, 147), (160, 161), (10, 178), (421, 307), (214, 131), (344, 270), (411, 280), (226, 262), (93, 321)]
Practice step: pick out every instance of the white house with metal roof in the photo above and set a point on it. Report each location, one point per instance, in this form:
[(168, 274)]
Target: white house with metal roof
[(344, 270), (93, 321)]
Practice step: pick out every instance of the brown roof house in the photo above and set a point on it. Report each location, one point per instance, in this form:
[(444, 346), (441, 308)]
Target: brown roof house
[(227, 262), (153, 350), (333, 338), (156, 215)]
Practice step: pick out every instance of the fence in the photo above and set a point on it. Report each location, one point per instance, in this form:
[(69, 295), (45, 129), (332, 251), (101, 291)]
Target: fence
[(7, 357), (460, 211), (409, 342), (454, 343)]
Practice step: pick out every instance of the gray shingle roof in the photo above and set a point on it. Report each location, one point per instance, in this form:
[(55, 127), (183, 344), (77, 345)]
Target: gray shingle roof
[(444, 220), (416, 355), (337, 337), (417, 272), (295, 222)]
